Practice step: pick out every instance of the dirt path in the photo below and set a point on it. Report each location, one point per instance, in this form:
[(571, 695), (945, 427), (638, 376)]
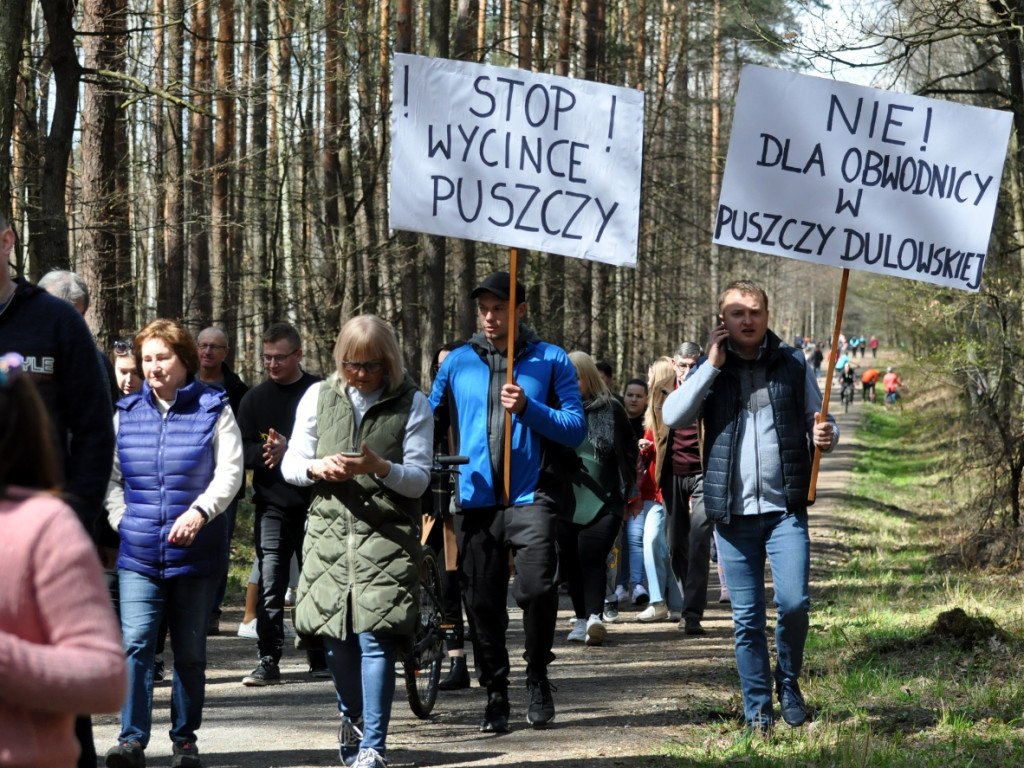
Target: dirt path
[(617, 704)]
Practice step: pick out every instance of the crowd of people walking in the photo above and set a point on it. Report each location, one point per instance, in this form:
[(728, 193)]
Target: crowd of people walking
[(618, 499)]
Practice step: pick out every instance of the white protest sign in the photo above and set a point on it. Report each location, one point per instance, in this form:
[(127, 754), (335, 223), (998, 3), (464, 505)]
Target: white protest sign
[(516, 158), (857, 177)]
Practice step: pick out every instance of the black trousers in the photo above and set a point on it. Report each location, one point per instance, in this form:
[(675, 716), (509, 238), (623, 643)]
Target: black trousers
[(486, 536), (278, 535), (689, 542), (583, 550)]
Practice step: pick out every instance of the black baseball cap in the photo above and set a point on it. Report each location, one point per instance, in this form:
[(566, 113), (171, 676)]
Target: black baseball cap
[(499, 284)]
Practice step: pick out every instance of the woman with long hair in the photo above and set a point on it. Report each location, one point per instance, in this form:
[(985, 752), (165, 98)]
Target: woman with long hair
[(60, 651), (362, 439), (666, 600), (601, 486)]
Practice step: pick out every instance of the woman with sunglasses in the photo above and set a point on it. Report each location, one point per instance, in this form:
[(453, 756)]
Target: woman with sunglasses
[(362, 439)]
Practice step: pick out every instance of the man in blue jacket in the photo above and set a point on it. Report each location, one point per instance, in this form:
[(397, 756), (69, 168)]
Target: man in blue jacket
[(471, 396), (759, 405)]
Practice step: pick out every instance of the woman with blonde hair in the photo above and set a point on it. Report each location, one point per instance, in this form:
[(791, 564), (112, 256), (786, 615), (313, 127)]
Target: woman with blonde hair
[(666, 600), (362, 439), (601, 486), (60, 652)]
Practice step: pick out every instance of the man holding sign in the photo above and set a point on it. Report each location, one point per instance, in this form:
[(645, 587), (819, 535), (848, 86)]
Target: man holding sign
[(471, 396), (759, 403)]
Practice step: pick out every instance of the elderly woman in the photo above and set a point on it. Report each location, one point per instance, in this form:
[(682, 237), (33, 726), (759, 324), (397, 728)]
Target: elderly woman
[(177, 465), (601, 487), (60, 654), (363, 439)]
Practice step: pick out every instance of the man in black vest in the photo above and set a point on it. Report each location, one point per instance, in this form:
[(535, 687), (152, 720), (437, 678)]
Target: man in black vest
[(759, 403)]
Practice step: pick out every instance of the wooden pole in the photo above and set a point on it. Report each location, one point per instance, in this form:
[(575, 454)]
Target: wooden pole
[(510, 357), (825, 395)]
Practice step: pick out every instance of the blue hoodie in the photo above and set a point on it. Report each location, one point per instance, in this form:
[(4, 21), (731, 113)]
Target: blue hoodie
[(472, 377)]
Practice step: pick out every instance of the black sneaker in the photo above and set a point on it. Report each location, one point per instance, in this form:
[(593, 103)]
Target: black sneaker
[(540, 708), (185, 755), (496, 714), (693, 627), (267, 672), (794, 710), (350, 735), (127, 754)]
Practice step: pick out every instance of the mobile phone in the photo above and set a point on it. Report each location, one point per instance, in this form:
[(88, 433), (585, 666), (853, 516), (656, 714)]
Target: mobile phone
[(352, 454)]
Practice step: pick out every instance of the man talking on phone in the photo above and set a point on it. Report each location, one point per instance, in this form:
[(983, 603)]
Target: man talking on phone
[(759, 404)]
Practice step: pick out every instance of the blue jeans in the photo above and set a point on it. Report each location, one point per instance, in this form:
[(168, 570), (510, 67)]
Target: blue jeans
[(363, 668), (661, 583), (743, 545), (631, 569), (186, 601)]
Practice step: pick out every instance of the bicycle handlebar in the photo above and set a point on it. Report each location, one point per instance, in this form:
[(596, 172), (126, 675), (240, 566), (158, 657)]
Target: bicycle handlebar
[(454, 461)]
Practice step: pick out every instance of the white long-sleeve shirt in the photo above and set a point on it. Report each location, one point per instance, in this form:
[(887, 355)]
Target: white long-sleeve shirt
[(228, 469), (410, 478)]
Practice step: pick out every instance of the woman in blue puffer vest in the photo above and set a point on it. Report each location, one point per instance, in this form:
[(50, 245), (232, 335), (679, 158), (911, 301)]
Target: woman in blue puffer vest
[(177, 465)]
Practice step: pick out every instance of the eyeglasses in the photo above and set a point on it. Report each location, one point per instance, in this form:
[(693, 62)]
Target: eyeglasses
[(211, 347), (371, 367), (122, 348), (270, 359)]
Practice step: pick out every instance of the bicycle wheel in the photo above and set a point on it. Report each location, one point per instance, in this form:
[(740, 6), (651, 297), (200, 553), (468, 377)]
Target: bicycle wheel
[(422, 666)]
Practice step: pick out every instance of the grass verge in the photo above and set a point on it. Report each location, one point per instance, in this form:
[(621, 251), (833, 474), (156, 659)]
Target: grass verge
[(893, 678)]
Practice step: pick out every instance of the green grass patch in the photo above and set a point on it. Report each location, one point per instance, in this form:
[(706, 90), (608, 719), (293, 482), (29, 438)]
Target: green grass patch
[(890, 684)]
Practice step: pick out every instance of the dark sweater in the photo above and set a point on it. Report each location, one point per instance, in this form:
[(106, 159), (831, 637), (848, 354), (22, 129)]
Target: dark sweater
[(61, 359), (272, 405)]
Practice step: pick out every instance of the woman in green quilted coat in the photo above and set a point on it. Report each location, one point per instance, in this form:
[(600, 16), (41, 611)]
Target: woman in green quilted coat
[(362, 439)]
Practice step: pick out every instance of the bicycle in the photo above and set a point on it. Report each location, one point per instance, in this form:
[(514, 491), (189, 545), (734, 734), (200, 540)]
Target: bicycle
[(846, 395), (421, 666)]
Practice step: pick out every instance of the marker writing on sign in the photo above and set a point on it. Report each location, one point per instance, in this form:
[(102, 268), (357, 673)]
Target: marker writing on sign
[(611, 124)]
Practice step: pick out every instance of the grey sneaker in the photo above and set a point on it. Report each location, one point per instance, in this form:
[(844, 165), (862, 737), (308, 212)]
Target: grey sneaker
[(185, 755), (126, 754), (350, 733), (611, 611), (267, 672), (579, 631)]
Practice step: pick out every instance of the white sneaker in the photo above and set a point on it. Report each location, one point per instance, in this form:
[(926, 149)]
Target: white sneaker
[(618, 595), (675, 615), (653, 612), (640, 595), (369, 758), (289, 598), (595, 631), (579, 632), (248, 629)]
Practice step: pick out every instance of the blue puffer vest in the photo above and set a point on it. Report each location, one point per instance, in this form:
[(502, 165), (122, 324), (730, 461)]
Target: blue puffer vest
[(721, 414), (167, 463)]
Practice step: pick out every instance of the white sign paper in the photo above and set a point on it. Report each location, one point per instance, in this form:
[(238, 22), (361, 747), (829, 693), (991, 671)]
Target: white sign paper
[(517, 158), (857, 177)]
